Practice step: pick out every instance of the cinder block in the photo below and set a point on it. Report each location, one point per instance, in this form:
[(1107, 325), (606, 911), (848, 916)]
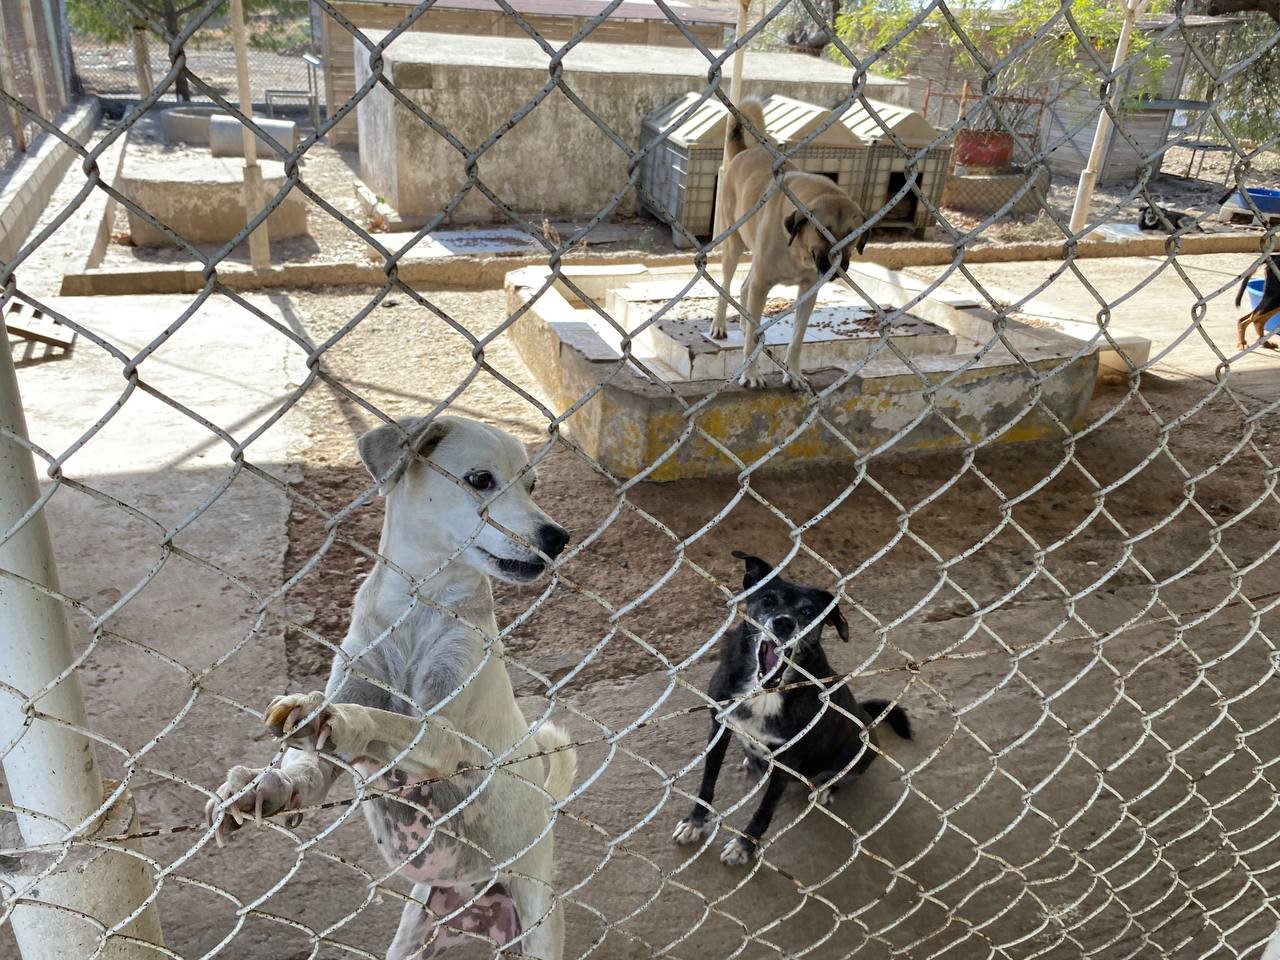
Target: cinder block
[(226, 136)]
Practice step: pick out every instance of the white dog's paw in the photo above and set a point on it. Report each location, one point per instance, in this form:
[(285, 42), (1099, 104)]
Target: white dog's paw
[(272, 794), (690, 830), (796, 381), (327, 725), (719, 330), (738, 852), (751, 378)]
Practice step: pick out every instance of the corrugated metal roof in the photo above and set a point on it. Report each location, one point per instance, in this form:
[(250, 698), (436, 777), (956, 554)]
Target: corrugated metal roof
[(907, 125)]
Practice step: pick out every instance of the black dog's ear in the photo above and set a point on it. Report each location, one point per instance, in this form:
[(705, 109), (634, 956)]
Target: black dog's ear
[(861, 243), (793, 223), (835, 618), (757, 569), (384, 450)]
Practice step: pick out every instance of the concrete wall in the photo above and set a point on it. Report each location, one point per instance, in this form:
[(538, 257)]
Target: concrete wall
[(338, 49), (32, 183), (555, 161)]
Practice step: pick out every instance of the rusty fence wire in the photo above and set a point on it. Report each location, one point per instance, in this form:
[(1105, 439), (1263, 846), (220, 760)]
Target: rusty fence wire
[(1084, 650)]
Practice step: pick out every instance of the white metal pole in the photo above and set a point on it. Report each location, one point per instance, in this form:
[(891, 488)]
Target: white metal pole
[(52, 770), (1089, 175), (259, 246)]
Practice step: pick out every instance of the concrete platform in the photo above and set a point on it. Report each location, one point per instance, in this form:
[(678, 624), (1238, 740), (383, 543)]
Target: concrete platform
[(935, 379), (201, 197)]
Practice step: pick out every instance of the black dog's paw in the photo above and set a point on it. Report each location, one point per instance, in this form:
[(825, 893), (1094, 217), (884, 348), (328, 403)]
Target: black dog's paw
[(690, 830), (738, 852)]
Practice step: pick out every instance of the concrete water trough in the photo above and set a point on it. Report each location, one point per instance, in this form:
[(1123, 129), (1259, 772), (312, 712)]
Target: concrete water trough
[(200, 197), (664, 402)]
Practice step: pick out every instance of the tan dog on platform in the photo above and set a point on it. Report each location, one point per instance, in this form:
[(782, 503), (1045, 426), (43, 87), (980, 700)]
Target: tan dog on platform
[(786, 246)]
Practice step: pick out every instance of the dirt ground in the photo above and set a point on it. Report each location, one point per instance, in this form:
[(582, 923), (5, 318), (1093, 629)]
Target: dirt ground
[(1158, 518), (385, 357), (1080, 629)]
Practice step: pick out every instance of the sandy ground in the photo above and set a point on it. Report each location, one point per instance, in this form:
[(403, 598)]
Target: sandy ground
[(1080, 633), (1080, 629)]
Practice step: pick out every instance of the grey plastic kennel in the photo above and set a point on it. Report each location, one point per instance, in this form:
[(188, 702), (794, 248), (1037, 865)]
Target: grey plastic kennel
[(886, 163), (680, 174)]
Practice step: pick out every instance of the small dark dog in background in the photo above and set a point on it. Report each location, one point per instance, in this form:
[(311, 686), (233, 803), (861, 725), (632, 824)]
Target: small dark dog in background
[(1267, 307), (771, 683), (1175, 221)]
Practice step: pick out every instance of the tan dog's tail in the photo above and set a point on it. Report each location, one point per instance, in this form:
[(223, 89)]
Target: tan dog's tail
[(753, 109), (562, 760)]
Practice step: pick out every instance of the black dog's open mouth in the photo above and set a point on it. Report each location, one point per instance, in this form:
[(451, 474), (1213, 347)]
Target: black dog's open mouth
[(516, 569), (767, 654)]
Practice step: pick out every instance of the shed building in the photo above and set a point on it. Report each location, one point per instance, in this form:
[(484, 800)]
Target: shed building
[(634, 21)]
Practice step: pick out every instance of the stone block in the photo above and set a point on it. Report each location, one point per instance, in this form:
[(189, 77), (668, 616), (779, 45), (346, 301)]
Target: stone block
[(226, 136)]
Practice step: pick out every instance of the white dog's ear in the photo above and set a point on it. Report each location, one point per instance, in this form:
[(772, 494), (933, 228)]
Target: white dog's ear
[(384, 450)]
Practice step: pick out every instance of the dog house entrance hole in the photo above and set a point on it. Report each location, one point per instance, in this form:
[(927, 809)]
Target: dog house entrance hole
[(904, 211)]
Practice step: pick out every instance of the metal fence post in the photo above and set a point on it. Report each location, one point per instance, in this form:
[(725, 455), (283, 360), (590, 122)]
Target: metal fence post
[(51, 768)]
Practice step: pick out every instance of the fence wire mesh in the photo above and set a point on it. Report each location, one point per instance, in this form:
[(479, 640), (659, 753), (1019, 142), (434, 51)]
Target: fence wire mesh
[(1078, 629)]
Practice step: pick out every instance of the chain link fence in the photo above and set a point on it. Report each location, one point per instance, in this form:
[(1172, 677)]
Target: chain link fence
[(32, 67), (1078, 628), (120, 53)]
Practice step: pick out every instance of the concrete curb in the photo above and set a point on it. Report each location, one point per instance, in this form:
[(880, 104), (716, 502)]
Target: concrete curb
[(31, 185), (488, 273)]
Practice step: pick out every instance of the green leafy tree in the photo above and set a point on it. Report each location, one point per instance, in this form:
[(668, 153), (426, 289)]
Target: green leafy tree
[(1247, 102), (1040, 48), (112, 21)]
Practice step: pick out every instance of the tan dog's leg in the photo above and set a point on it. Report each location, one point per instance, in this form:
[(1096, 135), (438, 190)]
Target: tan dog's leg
[(753, 297), (1259, 321), (733, 250), (1260, 327), (1242, 325), (793, 376)]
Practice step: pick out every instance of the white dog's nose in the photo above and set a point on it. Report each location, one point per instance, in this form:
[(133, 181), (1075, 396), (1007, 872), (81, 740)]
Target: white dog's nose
[(552, 539)]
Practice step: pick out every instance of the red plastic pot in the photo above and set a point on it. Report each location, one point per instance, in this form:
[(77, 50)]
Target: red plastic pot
[(983, 148)]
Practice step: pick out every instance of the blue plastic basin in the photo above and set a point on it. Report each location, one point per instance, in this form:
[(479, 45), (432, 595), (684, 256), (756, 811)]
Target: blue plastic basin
[(1254, 290), (1267, 200)]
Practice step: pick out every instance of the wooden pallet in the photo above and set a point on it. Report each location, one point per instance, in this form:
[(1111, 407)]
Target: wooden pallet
[(28, 323)]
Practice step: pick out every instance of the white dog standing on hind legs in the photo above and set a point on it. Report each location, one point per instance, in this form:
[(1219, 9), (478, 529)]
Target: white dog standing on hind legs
[(490, 861), (786, 246)]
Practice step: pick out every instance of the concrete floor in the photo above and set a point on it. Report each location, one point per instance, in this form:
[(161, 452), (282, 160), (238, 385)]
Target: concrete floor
[(1187, 341), (939, 852)]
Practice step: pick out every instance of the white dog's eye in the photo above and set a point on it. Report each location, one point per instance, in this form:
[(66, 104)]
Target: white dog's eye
[(480, 479)]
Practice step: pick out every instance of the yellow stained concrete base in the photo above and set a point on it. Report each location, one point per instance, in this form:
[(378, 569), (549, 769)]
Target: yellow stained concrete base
[(634, 427)]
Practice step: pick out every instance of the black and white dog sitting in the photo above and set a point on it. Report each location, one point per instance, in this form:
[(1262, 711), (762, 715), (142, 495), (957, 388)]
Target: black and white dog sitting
[(770, 687), (1175, 221)]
